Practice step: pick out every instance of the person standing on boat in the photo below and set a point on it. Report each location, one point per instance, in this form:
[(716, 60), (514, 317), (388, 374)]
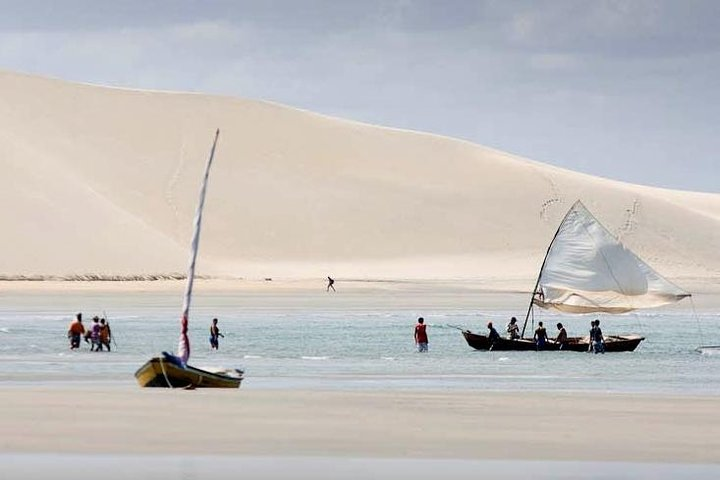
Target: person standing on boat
[(105, 334), (493, 335), (95, 335), (215, 334), (561, 338), (540, 336), (597, 341), (330, 284), (513, 329), (421, 338), (76, 331)]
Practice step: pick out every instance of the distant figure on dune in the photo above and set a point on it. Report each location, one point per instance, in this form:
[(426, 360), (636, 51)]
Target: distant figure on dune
[(421, 338), (331, 282), (76, 331), (215, 334)]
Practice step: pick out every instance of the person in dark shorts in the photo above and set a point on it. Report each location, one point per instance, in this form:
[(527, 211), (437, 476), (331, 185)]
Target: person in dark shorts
[(597, 341), (540, 336), (76, 331), (105, 334), (215, 334)]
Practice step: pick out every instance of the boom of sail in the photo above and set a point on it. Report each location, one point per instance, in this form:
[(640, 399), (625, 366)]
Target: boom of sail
[(588, 270)]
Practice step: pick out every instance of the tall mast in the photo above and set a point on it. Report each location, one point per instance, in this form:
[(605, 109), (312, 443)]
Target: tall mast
[(537, 283), (184, 343)]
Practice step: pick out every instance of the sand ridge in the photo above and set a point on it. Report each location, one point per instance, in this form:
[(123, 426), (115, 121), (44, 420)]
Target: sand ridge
[(104, 181)]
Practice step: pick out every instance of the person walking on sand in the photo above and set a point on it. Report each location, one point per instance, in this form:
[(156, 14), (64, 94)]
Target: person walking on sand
[(105, 334), (76, 331), (421, 339), (331, 282), (215, 334)]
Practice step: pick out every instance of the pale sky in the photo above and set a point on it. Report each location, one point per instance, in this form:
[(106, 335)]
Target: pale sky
[(628, 90)]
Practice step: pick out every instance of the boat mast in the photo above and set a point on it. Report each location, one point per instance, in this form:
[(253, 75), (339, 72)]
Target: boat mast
[(184, 344), (537, 283)]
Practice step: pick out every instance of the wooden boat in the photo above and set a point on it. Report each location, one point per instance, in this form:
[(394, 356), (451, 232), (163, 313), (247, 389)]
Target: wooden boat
[(167, 371), (613, 343), (588, 270), (170, 371)]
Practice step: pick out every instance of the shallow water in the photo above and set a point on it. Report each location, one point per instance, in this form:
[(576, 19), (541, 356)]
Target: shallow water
[(285, 343)]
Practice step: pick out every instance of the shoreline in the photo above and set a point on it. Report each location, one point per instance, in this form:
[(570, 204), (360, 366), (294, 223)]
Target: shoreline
[(488, 294), (379, 424)]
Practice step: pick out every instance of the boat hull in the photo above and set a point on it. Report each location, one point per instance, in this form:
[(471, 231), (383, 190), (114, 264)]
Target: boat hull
[(161, 372), (615, 343)]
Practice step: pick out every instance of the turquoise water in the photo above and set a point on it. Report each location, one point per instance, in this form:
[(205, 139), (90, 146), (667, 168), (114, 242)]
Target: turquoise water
[(291, 342)]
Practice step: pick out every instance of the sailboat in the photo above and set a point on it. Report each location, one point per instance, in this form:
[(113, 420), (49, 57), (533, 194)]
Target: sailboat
[(588, 270), (171, 371)]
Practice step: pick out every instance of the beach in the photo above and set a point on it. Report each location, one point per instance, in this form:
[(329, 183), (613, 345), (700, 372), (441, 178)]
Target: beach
[(355, 435), (333, 384), (382, 424), (409, 224)]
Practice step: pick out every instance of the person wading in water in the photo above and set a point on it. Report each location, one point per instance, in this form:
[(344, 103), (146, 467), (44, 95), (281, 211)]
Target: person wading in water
[(421, 339), (215, 334), (76, 331)]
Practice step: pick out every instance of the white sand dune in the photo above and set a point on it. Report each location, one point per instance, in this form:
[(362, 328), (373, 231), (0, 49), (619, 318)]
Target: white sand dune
[(104, 181)]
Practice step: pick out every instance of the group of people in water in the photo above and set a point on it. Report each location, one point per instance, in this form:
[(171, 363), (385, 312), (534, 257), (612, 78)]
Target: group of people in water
[(540, 337), (98, 335)]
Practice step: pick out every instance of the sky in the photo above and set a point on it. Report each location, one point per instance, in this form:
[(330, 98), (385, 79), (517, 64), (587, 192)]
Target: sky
[(628, 90)]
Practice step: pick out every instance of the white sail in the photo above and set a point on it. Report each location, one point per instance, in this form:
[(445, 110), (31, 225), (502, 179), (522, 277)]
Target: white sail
[(588, 270), (184, 343)]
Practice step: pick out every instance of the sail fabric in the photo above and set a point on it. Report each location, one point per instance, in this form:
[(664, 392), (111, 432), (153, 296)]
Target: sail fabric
[(184, 342), (588, 270)]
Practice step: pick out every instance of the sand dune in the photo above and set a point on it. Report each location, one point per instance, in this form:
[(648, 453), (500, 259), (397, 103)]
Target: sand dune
[(104, 181)]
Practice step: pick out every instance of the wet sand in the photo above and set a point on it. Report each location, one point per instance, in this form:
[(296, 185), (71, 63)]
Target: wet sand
[(384, 424)]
